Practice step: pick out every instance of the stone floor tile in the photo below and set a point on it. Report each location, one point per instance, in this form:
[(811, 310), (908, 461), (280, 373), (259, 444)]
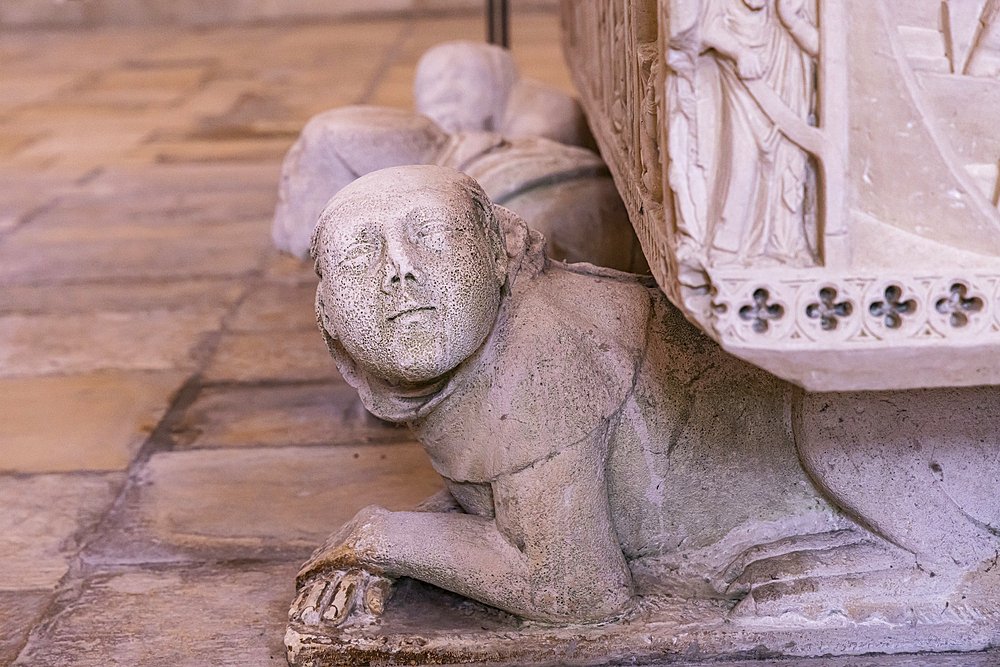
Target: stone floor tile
[(308, 102), (224, 615), (19, 612), (217, 97), (256, 503), (67, 115), (86, 50), (283, 267), (177, 221), (22, 13), (223, 44), (310, 414), (233, 250), (395, 87), (537, 48), (80, 422), (429, 31), (24, 194), (13, 142), (141, 340), (277, 307), (43, 520), (192, 296), (81, 149), (345, 51), (167, 194), (156, 74), (184, 180), (271, 355), (323, 43), (214, 151)]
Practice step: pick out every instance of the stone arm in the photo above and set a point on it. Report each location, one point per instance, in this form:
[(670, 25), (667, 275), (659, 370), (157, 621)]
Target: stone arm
[(792, 16), (715, 35), (549, 554)]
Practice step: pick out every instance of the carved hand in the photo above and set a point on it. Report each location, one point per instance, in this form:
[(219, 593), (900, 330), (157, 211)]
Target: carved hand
[(749, 65), (335, 585), (789, 8), (337, 596)]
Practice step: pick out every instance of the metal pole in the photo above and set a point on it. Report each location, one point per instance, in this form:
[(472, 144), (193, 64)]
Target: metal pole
[(498, 23)]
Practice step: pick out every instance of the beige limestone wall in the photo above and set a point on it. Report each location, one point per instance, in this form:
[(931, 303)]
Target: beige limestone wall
[(95, 13)]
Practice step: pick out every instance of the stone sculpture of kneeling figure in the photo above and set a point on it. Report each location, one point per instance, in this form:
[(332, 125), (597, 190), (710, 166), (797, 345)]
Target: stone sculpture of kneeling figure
[(592, 442)]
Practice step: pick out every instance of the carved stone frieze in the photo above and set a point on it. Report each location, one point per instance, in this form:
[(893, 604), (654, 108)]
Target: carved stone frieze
[(810, 177)]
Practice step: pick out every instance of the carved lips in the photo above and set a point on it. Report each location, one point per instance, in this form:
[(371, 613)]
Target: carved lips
[(410, 314)]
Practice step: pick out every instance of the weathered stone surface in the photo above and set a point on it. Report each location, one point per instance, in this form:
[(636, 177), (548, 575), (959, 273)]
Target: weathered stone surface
[(253, 149), (646, 479), (424, 625), (187, 296), (149, 341), (277, 307), (142, 84), (44, 518), (254, 502), (309, 414), (19, 611), (25, 195), (20, 89), (80, 422), (230, 614), (286, 268), (278, 355), (223, 250)]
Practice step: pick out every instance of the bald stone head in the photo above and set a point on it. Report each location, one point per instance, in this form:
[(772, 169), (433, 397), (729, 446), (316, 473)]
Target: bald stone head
[(412, 267), (465, 86)]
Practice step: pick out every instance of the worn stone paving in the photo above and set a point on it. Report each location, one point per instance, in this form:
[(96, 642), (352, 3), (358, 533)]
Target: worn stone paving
[(174, 439)]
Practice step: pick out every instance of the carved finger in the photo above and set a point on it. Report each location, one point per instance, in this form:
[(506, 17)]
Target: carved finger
[(316, 595), (342, 600), (295, 610), (377, 593)]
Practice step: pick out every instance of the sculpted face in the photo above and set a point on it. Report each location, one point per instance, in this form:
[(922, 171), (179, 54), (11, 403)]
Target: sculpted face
[(411, 279)]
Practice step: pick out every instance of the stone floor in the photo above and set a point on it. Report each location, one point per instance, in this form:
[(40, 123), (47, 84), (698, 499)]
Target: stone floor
[(174, 439)]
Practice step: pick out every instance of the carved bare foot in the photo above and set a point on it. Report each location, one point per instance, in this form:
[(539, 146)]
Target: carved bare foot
[(847, 561), (755, 565), (337, 597)]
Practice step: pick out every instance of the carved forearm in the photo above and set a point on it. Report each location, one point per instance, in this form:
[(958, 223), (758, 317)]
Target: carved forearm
[(470, 556), (798, 26), (716, 37)]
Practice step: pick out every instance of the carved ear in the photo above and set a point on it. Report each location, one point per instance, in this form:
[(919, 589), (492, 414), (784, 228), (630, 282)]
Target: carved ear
[(345, 363), (498, 243), (324, 324)]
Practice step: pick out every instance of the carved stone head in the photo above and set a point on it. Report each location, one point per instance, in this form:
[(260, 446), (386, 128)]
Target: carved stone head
[(464, 86), (412, 267)]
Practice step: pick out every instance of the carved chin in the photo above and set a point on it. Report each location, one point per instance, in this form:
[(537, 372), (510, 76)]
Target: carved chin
[(419, 358)]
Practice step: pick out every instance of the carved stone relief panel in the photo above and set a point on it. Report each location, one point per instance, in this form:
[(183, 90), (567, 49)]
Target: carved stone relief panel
[(792, 147)]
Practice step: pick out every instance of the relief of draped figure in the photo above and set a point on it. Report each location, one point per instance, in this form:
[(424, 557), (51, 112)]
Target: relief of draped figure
[(759, 188)]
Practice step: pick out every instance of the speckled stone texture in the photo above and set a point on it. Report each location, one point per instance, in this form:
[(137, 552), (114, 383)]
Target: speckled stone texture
[(138, 172)]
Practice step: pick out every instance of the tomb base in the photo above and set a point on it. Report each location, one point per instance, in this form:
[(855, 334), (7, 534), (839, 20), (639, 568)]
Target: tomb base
[(424, 625)]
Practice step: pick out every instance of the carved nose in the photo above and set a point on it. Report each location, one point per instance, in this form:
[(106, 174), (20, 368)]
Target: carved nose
[(400, 269)]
